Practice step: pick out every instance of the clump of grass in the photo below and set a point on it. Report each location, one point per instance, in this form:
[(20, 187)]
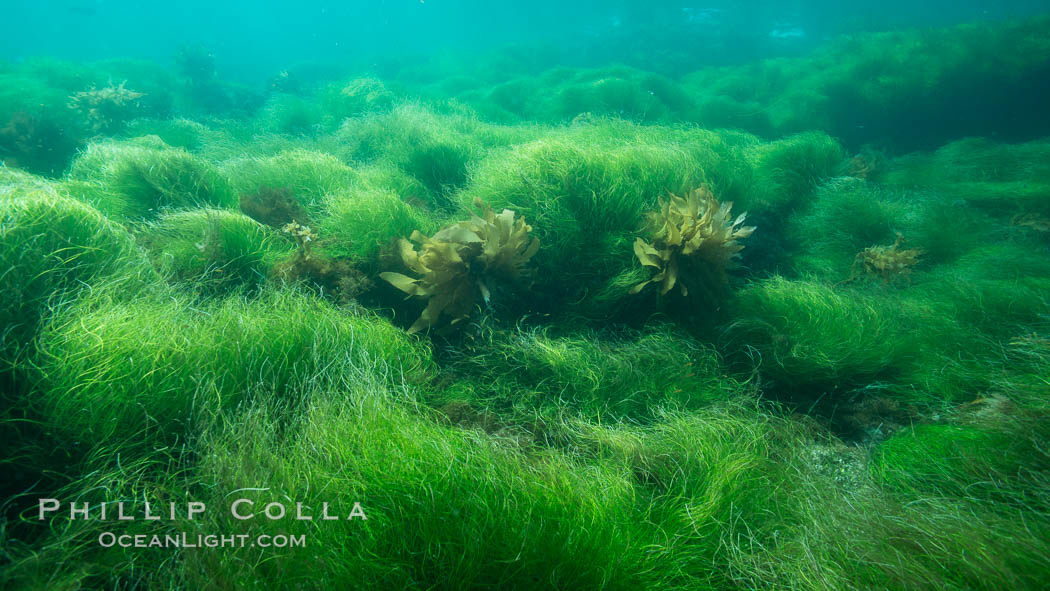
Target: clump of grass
[(140, 177), (785, 177), (972, 160), (355, 97), (490, 513), (521, 374), (816, 343), (53, 247), (1024, 385), (63, 553), (843, 219), (1003, 180), (479, 526), (290, 114), (847, 533), (38, 132), (212, 251), (362, 222), (713, 480), (436, 151), (165, 363), (37, 142), (788, 171), (618, 92), (179, 133), (273, 207), (811, 331), (998, 289), (586, 194), (15, 182), (311, 176), (946, 231), (562, 94), (847, 215), (440, 167), (668, 506), (956, 460), (507, 102)]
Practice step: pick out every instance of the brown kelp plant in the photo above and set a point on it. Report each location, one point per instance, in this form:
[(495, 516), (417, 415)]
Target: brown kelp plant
[(888, 263), (462, 262), (690, 230)]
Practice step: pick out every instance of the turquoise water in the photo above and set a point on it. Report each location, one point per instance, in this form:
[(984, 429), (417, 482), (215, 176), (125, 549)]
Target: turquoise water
[(252, 39)]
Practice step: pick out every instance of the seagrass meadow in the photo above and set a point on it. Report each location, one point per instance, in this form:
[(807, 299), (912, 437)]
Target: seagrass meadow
[(611, 310)]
